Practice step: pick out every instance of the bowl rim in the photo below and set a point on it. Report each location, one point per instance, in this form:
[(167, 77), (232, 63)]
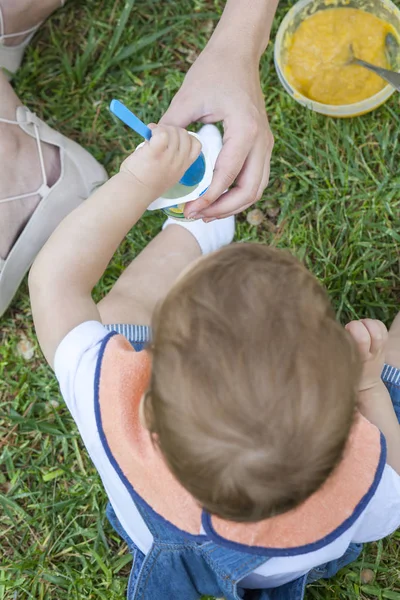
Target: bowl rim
[(339, 110)]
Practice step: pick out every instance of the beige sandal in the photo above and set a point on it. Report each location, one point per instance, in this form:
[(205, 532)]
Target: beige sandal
[(11, 56), (80, 175)]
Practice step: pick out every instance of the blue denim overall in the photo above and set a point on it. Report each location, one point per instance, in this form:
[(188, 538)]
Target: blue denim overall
[(179, 567)]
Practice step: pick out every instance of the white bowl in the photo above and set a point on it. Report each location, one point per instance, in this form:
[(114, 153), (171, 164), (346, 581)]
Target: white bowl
[(384, 9)]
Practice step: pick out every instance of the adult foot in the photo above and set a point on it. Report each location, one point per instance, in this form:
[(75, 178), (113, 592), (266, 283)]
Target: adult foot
[(20, 171), (23, 15)]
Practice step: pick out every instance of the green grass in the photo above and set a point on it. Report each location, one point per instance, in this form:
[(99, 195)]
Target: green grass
[(336, 187)]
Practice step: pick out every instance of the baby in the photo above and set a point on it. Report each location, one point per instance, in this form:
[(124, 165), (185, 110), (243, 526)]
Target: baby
[(247, 443)]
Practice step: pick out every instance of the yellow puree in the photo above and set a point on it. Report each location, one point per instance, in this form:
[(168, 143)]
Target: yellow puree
[(319, 50)]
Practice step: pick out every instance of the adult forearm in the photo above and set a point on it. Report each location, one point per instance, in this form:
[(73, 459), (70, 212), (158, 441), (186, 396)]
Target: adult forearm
[(245, 27)]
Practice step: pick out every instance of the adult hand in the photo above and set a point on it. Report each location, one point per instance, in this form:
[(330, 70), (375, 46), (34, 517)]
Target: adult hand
[(223, 87)]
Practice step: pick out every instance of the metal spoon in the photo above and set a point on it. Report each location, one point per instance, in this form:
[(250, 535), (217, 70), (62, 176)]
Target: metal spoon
[(388, 75), (392, 50)]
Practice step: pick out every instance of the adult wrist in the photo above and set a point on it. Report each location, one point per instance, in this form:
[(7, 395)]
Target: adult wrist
[(244, 28), (233, 50)]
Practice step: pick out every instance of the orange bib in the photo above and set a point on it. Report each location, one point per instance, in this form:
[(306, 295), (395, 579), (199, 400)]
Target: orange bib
[(123, 377)]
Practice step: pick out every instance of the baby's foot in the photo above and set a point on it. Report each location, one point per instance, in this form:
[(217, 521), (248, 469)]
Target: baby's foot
[(371, 337), (209, 236)]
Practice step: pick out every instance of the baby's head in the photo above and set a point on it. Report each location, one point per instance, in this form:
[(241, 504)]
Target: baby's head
[(253, 387)]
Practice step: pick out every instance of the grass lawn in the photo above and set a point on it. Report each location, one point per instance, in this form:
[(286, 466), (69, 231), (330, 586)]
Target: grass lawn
[(334, 200)]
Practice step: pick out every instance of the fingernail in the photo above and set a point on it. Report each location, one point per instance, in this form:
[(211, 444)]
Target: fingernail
[(195, 215), (209, 220)]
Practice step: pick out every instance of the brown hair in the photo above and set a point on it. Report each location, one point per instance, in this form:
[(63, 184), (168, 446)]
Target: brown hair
[(253, 386)]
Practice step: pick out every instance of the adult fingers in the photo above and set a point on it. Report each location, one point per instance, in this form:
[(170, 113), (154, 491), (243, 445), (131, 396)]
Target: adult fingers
[(249, 186), (227, 214), (238, 142), (181, 112), (267, 166)]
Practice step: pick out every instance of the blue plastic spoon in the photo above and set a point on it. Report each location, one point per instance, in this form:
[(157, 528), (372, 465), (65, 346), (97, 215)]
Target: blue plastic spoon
[(195, 172)]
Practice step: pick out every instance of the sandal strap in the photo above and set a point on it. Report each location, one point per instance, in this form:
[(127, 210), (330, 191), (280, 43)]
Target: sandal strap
[(31, 118), (31, 30), (6, 36)]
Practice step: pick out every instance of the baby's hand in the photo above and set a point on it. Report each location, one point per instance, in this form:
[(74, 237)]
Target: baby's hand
[(162, 161), (370, 336)]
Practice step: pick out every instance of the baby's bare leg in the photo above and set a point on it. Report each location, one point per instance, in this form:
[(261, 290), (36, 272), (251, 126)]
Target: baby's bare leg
[(392, 353), (149, 277)]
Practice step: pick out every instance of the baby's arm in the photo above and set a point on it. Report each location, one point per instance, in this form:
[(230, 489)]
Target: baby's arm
[(78, 252), (374, 399)]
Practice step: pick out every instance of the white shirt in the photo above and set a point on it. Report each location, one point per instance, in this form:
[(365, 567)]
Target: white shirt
[(75, 364)]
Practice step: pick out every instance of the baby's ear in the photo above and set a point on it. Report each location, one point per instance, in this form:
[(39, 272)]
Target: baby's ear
[(146, 413), (155, 440), (147, 419)]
